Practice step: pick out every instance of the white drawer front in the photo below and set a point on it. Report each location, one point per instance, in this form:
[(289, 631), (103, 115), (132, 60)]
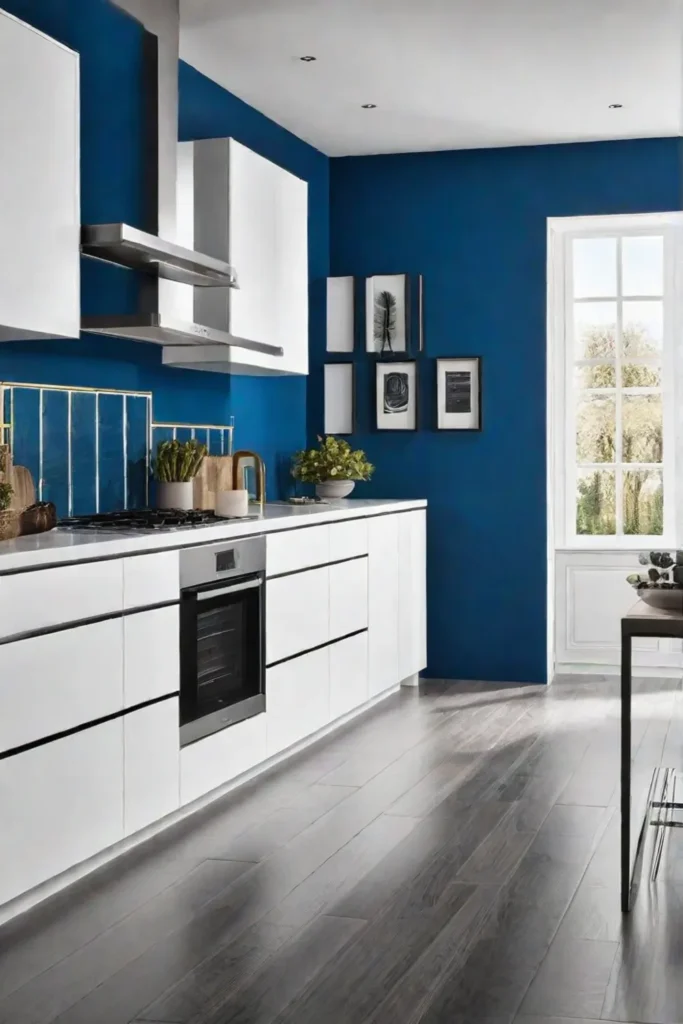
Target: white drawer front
[(348, 539), (151, 654), (348, 597), (348, 675), (297, 549), (151, 748), (297, 613), (151, 579), (211, 762), (50, 597), (61, 803), (54, 682), (297, 699)]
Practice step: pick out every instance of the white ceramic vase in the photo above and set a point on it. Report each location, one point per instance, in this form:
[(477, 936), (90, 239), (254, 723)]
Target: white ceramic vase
[(335, 488), (175, 495)]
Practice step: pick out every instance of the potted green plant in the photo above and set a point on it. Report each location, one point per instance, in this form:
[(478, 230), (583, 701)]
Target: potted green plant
[(175, 467), (333, 467)]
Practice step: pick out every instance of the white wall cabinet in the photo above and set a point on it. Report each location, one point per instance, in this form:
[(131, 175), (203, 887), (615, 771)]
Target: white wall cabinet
[(151, 764), (298, 699), (61, 803), (383, 584), (348, 675), (348, 597), (39, 184), (254, 214), (412, 594), (297, 613)]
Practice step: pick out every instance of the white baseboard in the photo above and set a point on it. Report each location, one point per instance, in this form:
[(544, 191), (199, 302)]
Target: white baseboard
[(54, 885), (639, 671)]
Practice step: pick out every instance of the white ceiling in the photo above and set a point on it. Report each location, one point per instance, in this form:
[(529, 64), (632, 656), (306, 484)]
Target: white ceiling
[(446, 74)]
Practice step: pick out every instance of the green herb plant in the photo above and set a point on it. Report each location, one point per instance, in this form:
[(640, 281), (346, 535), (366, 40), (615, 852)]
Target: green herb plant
[(333, 459), (178, 461)]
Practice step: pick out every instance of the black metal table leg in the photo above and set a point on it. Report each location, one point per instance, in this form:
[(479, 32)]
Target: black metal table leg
[(625, 769)]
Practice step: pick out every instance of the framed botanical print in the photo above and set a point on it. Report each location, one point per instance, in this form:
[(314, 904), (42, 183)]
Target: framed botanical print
[(458, 393), (387, 315), (396, 395)]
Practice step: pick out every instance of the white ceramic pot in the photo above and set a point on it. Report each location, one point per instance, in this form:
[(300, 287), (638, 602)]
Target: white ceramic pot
[(335, 488), (175, 495)]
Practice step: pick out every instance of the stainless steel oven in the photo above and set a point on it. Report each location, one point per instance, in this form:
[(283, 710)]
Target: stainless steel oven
[(222, 641)]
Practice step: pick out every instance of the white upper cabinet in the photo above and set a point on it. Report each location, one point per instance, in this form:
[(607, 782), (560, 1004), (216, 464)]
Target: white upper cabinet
[(240, 207), (39, 185)]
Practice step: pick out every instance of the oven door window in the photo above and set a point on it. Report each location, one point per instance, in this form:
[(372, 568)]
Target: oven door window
[(221, 647)]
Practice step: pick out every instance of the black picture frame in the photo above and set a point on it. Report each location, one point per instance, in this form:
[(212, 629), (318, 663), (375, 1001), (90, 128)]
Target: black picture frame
[(380, 366), (439, 368), (369, 312)]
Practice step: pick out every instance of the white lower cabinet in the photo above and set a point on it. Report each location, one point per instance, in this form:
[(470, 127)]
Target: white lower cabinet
[(412, 593), (297, 699), (348, 674), (348, 597), (61, 804), (151, 654), (218, 759), (54, 682), (297, 613), (383, 573), (151, 749)]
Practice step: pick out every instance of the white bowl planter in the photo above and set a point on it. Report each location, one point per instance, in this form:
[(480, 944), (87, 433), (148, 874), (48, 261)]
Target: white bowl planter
[(175, 495), (335, 488)]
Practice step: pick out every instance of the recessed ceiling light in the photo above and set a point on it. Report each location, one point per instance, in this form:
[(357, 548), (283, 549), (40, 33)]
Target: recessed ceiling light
[(308, 58), (369, 106), (615, 106)]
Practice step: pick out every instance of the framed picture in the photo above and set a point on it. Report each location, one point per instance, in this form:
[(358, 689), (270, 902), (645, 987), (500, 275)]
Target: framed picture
[(340, 406), (396, 395), (458, 393), (387, 316)]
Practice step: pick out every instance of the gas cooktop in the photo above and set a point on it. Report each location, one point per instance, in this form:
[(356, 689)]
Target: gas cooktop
[(147, 519)]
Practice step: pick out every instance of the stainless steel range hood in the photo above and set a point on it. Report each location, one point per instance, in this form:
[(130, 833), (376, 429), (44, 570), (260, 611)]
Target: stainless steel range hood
[(152, 248)]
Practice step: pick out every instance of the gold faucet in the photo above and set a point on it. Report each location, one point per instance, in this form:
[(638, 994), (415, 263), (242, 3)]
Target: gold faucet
[(243, 460)]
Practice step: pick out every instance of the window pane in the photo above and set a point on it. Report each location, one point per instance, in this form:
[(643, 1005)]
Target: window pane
[(641, 375), (595, 428), (595, 330), (596, 502), (595, 267), (643, 328), (642, 265), (642, 428), (643, 502), (603, 375)]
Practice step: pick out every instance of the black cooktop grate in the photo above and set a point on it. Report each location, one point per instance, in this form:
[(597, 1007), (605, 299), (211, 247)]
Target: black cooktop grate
[(144, 519)]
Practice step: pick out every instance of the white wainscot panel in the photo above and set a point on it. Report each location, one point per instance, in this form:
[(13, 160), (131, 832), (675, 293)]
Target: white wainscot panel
[(592, 596)]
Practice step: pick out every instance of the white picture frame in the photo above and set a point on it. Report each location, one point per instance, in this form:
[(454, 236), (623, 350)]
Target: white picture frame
[(458, 393), (339, 398), (396, 394), (396, 339)]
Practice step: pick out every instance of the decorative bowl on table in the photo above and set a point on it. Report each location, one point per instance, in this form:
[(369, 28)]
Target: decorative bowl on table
[(661, 585)]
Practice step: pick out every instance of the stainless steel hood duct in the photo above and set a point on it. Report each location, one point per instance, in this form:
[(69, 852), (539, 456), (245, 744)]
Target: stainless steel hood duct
[(153, 250)]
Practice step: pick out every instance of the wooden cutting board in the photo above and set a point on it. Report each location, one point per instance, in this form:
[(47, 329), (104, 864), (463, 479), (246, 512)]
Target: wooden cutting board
[(24, 488), (215, 474)]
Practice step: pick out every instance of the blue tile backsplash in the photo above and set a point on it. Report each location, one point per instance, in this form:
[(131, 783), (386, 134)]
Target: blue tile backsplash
[(88, 450)]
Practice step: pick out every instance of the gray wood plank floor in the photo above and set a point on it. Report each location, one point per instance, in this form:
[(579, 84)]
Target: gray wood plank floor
[(449, 858)]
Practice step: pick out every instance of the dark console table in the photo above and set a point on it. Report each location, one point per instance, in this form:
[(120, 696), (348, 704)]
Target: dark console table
[(642, 620)]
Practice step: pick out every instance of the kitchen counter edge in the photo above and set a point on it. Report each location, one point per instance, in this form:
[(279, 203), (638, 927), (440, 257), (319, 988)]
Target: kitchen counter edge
[(60, 547)]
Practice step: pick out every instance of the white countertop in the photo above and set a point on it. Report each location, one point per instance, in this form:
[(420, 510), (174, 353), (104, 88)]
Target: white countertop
[(60, 546)]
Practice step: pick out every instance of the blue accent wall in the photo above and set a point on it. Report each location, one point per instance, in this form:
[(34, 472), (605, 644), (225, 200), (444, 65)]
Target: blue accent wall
[(270, 413), (474, 224)]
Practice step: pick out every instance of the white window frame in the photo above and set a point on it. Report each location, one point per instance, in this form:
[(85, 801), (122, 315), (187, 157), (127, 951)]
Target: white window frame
[(561, 433)]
